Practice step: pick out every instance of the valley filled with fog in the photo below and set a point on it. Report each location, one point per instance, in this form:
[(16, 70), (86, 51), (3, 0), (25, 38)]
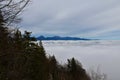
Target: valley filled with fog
[(104, 54)]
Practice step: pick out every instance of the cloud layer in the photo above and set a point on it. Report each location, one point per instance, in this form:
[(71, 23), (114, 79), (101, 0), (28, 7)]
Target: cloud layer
[(81, 18)]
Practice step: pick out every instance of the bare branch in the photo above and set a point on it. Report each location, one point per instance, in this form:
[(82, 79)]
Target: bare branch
[(14, 16), (11, 9), (6, 4)]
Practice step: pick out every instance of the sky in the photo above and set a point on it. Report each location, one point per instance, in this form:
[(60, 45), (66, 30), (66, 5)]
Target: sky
[(95, 19)]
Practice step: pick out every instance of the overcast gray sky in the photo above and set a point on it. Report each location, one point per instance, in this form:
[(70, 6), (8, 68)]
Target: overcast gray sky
[(81, 18)]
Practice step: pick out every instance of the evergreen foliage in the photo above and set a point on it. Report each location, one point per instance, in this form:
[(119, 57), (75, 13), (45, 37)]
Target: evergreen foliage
[(22, 59)]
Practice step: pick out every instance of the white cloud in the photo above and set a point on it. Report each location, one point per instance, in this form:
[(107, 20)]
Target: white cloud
[(73, 17)]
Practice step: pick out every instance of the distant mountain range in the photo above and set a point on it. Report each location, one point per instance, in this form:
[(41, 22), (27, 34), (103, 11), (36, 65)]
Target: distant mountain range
[(60, 38)]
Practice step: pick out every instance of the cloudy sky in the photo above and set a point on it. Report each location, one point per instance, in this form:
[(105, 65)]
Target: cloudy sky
[(99, 19)]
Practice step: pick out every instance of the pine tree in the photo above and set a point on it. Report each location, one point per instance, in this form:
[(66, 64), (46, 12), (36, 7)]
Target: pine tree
[(3, 48), (76, 71), (3, 34), (53, 68)]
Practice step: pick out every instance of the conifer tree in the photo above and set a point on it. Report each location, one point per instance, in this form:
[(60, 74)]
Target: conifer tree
[(22, 59), (76, 71), (53, 68), (3, 33), (3, 36)]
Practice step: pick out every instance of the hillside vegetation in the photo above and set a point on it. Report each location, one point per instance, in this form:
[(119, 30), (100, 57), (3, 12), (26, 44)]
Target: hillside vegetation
[(20, 59)]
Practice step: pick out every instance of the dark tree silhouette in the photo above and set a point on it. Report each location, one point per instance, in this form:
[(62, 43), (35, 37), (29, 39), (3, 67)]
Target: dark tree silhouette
[(76, 71), (22, 59)]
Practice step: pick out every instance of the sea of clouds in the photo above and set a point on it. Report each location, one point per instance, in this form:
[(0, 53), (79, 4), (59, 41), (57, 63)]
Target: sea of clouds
[(104, 54)]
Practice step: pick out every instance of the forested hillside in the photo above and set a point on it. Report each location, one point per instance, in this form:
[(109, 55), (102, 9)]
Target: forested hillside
[(21, 59)]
